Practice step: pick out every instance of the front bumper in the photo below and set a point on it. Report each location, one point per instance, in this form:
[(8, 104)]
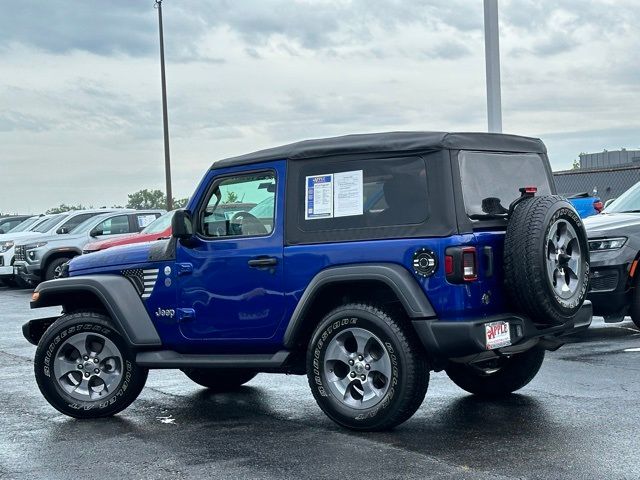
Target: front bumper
[(455, 339), (610, 290), (29, 273)]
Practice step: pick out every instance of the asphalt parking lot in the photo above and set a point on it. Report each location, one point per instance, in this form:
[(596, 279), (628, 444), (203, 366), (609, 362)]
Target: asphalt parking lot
[(577, 419)]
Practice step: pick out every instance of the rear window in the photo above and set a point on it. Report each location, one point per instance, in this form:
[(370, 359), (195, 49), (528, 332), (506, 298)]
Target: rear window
[(491, 181)]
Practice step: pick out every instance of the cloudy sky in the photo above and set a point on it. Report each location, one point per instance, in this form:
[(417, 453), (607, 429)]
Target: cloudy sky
[(81, 116)]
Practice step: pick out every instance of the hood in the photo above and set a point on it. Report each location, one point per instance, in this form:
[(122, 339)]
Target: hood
[(612, 225), (120, 240), (56, 237), (18, 236), (137, 253)]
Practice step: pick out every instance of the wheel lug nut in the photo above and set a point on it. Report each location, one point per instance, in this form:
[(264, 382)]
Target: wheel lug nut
[(80, 366), (86, 357), (96, 360), (96, 371), (363, 377), (351, 362), (86, 374), (353, 374), (360, 357), (367, 366)]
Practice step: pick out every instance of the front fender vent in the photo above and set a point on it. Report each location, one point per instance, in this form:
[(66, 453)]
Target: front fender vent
[(142, 279)]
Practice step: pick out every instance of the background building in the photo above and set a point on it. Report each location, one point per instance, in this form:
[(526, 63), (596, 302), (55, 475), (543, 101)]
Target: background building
[(605, 158)]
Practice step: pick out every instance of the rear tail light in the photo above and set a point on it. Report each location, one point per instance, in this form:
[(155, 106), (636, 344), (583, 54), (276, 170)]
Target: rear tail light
[(469, 264), (598, 205), (461, 264)]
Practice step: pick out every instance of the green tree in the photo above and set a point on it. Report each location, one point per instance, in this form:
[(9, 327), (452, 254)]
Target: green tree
[(232, 197), (147, 199), (576, 164), (150, 199), (63, 207)]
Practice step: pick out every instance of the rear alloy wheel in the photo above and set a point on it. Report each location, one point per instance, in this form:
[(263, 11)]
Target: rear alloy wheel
[(366, 369), (498, 376), (85, 369), (219, 380)]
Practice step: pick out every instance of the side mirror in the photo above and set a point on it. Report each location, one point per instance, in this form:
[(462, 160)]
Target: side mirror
[(182, 225), (96, 233), (608, 202), (62, 230)]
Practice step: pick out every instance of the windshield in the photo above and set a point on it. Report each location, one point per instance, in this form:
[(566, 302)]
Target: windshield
[(24, 226), (629, 201), (48, 224), (491, 181), (160, 224)]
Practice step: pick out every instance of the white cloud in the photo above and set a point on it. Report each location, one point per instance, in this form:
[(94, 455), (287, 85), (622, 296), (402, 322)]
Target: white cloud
[(80, 112)]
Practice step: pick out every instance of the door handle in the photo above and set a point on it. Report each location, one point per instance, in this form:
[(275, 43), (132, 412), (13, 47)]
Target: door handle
[(263, 262)]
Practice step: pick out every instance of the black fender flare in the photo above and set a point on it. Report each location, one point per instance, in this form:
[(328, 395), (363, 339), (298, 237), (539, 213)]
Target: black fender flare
[(44, 262), (118, 296), (398, 278)]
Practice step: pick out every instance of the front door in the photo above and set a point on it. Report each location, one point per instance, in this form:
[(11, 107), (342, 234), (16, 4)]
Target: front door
[(235, 287)]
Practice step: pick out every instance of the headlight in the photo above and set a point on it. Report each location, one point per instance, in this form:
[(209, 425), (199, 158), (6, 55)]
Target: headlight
[(606, 244), (4, 246), (33, 246)]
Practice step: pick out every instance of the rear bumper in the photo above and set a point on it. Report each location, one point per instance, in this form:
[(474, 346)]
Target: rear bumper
[(463, 338)]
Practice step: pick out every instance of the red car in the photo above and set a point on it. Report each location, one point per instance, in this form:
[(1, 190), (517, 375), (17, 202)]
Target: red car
[(156, 230)]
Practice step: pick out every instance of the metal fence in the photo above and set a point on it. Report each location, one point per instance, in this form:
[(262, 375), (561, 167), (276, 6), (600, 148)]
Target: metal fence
[(605, 182)]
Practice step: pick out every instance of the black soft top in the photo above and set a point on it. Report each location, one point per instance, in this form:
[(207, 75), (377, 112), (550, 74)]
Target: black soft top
[(389, 142)]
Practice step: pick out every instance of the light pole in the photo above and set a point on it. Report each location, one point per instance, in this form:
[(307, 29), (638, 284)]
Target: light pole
[(492, 59), (165, 117)]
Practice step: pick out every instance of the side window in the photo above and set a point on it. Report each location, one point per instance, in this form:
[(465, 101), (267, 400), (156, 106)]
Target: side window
[(113, 226), (371, 193), (73, 222), (240, 206)]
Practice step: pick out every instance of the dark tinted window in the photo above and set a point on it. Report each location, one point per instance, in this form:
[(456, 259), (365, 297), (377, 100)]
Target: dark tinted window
[(73, 222), (491, 181), (363, 194)]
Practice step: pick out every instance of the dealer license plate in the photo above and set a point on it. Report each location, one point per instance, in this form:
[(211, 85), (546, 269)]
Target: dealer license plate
[(497, 335)]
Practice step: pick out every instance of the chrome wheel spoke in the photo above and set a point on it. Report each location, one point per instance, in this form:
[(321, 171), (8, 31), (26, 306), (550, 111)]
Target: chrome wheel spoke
[(563, 259)]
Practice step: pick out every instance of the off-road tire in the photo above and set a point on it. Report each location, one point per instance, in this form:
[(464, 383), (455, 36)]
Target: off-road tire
[(409, 367), (515, 372), (132, 380), (525, 260), (220, 380), (50, 272)]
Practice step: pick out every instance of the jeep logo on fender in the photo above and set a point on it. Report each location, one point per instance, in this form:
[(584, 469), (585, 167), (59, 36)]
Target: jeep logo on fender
[(169, 312)]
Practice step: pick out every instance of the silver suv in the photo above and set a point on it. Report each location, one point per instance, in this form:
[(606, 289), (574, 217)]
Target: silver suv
[(40, 258)]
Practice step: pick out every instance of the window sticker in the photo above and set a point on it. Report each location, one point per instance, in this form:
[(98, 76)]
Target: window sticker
[(145, 220), (318, 197), (348, 194)]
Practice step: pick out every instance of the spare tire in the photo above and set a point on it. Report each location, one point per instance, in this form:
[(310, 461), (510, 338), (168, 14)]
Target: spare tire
[(546, 259)]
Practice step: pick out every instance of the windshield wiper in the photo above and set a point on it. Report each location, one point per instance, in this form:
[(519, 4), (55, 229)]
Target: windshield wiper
[(627, 211)]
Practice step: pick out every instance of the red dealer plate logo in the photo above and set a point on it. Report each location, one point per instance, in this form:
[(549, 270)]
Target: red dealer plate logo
[(498, 335)]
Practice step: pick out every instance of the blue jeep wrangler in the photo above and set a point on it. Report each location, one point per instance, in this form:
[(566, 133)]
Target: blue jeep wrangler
[(365, 262)]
